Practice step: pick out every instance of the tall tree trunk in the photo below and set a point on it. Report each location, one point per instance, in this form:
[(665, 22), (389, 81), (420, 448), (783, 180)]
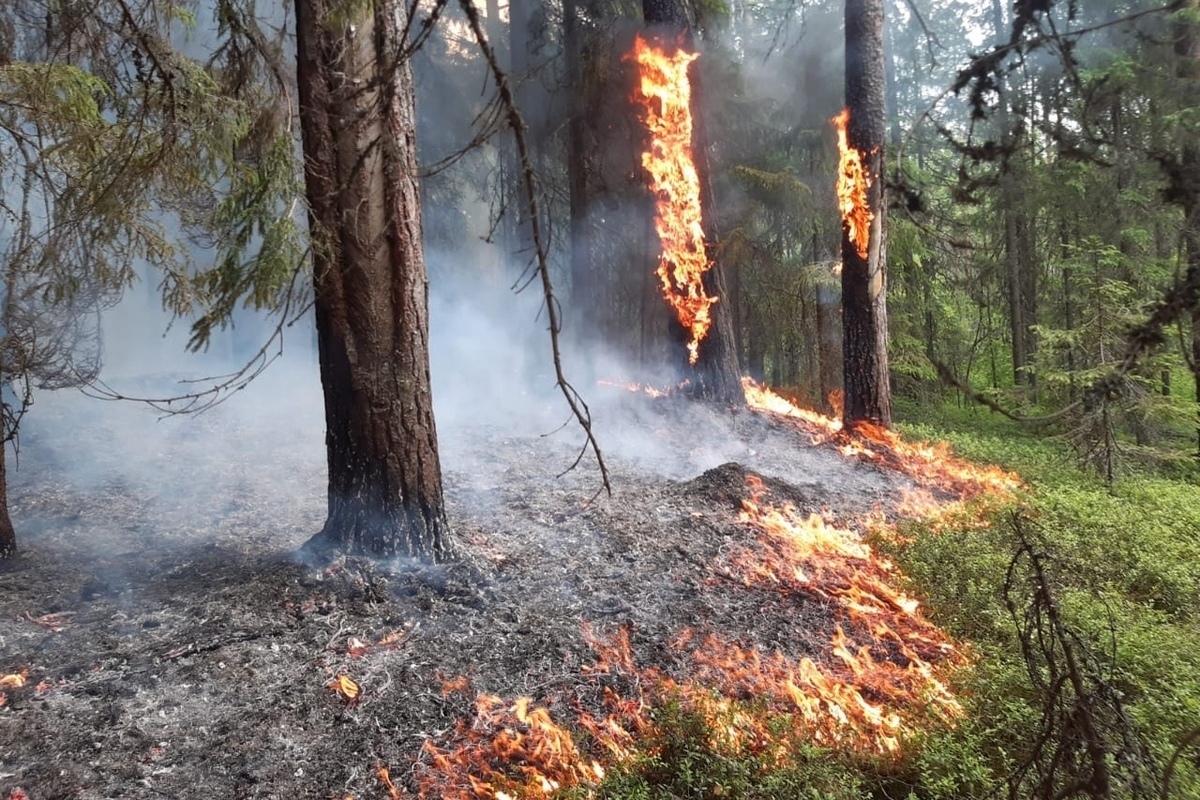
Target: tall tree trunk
[(370, 287), (868, 394), (714, 376), (1020, 270), (1187, 52)]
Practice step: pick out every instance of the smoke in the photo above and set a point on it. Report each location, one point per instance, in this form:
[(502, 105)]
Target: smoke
[(255, 465)]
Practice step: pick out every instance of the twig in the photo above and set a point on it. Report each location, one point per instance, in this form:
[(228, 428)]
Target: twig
[(576, 402)]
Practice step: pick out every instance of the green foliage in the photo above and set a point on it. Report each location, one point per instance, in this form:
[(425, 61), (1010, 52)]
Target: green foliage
[(679, 760), (1126, 566), (118, 154)]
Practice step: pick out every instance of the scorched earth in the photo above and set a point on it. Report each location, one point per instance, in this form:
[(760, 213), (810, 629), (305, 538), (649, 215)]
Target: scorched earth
[(168, 642)]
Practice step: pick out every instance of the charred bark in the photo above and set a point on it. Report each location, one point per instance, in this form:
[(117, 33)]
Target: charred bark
[(370, 287), (864, 280), (8, 534)]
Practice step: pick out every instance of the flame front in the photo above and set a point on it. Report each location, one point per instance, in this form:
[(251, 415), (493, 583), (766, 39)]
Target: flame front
[(852, 185), (665, 94), (929, 465)]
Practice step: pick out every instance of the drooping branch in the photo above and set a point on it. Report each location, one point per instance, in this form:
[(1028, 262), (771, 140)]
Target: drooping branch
[(575, 401)]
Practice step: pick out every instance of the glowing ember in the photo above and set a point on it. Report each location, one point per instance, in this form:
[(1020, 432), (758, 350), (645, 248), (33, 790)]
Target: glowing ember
[(852, 184), (386, 780), (665, 96), (14, 680), (51, 622), (345, 686)]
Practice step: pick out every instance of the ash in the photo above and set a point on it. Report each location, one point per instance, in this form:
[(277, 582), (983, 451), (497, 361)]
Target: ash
[(178, 647)]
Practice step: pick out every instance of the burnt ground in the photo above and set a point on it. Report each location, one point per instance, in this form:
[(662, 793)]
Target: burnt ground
[(178, 647)]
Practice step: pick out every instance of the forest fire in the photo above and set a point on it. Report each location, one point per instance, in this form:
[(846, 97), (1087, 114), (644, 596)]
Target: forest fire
[(852, 184), (665, 96), (801, 555), (930, 465), (508, 750)]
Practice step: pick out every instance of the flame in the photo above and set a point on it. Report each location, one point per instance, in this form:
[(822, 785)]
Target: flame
[(507, 750), (14, 680), (665, 97), (852, 185), (932, 466), (345, 686)]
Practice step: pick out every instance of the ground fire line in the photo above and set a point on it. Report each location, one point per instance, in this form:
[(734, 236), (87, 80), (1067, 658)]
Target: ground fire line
[(882, 674)]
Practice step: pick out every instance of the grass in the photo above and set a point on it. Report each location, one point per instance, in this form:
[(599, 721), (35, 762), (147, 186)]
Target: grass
[(1122, 564)]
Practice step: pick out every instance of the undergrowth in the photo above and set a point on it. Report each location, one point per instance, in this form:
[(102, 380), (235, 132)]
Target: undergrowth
[(1079, 604)]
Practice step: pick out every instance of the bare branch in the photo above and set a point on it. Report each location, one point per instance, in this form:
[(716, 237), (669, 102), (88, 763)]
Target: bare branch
[(578, 407)]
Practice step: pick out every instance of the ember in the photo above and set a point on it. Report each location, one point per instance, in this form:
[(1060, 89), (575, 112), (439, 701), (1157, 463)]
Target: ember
[(345, 686), (665, 96), (852, 185)]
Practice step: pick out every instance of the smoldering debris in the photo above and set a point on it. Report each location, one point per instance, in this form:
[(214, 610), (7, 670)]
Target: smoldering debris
[(193, 654)]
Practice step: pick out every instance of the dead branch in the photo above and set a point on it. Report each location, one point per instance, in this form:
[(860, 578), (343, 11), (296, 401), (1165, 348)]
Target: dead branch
[(541, 263), (1192, 738), (1086, 744)]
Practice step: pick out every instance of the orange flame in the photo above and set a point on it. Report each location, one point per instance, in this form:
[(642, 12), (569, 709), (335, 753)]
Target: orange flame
[(665, 96), (14, 680), (852, 184), (506, 751), (807, 555), (345, 686), (930, 465)]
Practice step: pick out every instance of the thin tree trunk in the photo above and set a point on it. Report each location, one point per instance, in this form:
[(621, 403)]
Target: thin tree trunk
[(864, 279), (370, 288), (8, 534)]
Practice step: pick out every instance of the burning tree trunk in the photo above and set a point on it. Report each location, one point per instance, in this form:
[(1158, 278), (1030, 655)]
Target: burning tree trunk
[(358, 125), (693, 280), (860, 189)]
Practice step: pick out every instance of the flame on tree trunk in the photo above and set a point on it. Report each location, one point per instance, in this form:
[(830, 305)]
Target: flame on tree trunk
[(676, 159), (864, 270), (371, 291)]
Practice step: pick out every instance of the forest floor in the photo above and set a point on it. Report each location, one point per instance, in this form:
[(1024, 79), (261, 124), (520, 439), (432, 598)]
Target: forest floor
[(177, 646)]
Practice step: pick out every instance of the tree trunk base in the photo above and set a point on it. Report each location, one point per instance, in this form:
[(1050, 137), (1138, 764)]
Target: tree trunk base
[(355, 530)]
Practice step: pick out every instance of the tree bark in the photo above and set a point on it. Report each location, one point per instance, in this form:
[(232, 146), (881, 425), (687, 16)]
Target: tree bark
[(371, 293), (1187, 52), (866, 383), (714, 376), (8, 534)]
